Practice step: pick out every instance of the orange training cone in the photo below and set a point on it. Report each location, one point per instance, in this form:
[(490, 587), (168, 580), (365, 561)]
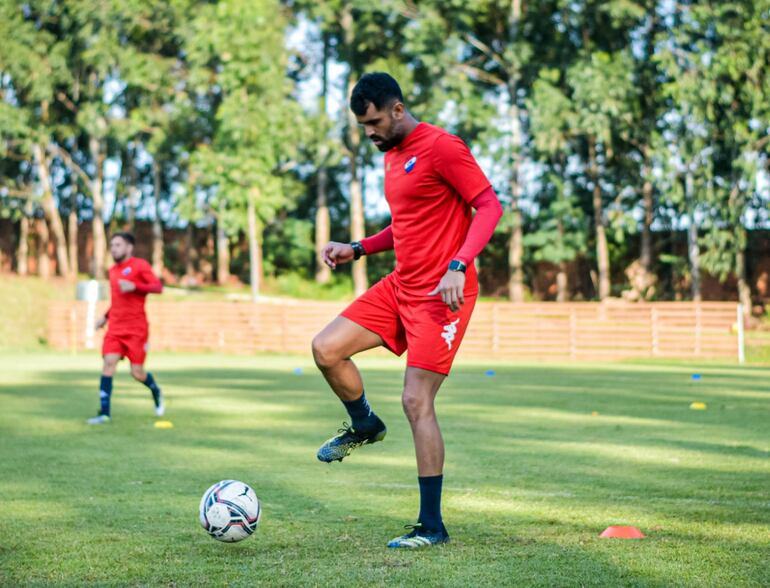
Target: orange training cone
[(622, 532)]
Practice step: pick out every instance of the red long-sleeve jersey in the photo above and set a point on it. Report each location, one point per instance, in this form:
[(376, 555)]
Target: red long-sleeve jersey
[(126, 314)]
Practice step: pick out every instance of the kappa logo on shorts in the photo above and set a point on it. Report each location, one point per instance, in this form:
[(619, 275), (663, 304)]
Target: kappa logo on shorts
[(126, 271), (449, 333), (409, 165)]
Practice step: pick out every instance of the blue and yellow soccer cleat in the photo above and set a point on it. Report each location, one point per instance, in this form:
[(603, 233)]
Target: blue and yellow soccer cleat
[(340, 446), (419, 537)]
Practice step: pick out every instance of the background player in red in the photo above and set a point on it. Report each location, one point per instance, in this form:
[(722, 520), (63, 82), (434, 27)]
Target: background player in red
[(131, 279), (432, 183)]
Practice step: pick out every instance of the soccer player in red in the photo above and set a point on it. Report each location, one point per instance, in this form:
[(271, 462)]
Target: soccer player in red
[(432, 184), (131, 279)]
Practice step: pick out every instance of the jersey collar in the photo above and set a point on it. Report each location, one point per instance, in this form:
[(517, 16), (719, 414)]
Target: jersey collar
[(412, 137)]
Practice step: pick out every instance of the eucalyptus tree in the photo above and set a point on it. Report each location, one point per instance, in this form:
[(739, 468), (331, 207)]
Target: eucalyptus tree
[(238, 62), (33, 71), (719, 128)]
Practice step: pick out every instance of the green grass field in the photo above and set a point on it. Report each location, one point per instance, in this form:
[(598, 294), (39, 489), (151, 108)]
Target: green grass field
[(532, 476)]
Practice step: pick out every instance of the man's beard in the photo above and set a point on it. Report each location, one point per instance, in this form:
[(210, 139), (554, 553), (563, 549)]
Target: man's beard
[(387, 144), (120, 259)]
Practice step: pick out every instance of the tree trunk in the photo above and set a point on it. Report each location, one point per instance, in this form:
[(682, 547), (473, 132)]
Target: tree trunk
[(72, 229), (96, 149), (562, 287), (693, 251), (157, 224), (357, 229), (132, 203), (516, 241), (602, 251), (645, 257), (22, 253), (744, 290), (223, 249), (51, 211), (649, 95), (43, 260), (134, 193), (191, 256), (693, 256), (323, 272), (322, 223), (255, 247)]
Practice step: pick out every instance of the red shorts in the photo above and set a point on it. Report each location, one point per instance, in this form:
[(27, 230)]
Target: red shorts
[(131, 345), (425, 326)]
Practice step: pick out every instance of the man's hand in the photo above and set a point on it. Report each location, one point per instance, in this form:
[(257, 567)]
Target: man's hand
[(335, 253), (126, 286), (101, 322), (451, 289)]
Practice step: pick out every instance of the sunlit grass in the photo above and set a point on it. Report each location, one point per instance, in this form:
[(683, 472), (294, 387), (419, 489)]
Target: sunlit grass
[(540, 459), (24, 310)]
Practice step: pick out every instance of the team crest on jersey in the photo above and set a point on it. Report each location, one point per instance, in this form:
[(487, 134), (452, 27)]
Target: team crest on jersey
[(409, 165), (126, 271)]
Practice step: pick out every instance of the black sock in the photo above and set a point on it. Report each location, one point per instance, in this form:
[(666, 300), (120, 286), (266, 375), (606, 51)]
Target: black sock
[(105, 391), (150, 383), (361, 413), (430, 502)]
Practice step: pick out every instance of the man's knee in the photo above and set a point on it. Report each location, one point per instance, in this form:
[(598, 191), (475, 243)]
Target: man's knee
[(416, 406), (138, 373), (324, 352), (110, 365)]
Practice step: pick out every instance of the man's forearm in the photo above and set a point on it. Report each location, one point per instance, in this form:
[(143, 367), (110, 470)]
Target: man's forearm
[(382, 241), (153, 287), (488, 213)]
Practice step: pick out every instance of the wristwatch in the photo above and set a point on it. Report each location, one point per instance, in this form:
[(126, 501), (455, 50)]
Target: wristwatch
[(456, 266), (358, 249)]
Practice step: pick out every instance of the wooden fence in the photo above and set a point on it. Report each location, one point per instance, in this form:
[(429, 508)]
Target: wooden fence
[(498, 330)]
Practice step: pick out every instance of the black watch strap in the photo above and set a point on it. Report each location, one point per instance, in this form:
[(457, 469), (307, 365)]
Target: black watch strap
[(358, 249), (457, 266)]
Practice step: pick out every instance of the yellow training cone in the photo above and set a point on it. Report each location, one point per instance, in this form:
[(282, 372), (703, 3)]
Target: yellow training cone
[(698, 406), (164, 425)]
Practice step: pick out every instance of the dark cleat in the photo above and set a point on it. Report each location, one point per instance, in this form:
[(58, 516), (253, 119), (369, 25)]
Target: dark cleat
[(348, 439), (419, 537)]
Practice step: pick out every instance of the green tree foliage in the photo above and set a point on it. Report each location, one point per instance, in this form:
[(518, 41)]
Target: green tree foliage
[(614, 131), (237, 47)]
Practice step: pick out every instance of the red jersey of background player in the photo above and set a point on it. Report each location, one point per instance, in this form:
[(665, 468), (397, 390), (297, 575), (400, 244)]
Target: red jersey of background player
[(126, 314), (431, 178)]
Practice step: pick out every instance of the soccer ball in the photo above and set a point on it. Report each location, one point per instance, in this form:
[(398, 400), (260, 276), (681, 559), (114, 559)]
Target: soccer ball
[(230, 511)]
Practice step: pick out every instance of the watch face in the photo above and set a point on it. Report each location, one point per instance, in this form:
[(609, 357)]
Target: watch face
[(456, 266)]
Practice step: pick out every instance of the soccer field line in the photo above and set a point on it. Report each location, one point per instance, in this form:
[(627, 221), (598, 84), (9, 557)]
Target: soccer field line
[(563, 494)]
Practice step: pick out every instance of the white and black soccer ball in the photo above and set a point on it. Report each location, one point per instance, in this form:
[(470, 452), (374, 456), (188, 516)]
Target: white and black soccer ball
[(230, 511)]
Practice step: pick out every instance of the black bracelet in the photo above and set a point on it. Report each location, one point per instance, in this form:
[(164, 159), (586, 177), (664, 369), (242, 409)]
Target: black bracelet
[(358, 249)]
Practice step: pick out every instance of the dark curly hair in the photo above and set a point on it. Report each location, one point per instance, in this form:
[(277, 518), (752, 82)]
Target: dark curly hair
[(377, 88), (126, 236)]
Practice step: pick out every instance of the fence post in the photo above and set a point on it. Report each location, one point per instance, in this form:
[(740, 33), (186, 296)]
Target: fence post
[(495, 329), (741, 348), (655, 334), (73, 330), (91, 296), (284, 328), (698, 328)]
